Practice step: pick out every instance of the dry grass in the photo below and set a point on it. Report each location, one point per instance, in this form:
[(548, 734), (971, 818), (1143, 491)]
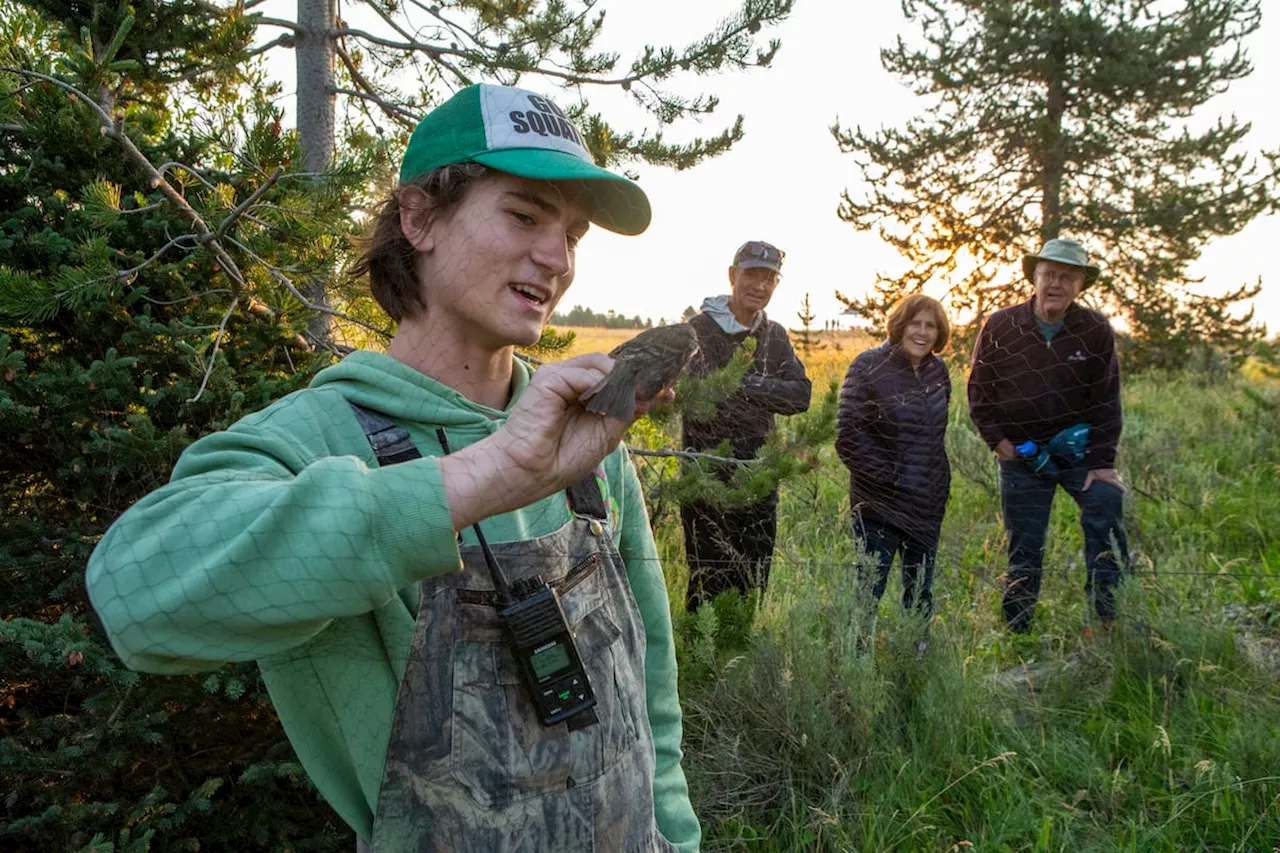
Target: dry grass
[(828, 359), (590, 339)]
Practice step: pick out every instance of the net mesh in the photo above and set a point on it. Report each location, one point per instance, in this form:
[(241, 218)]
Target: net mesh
[(281, 540)]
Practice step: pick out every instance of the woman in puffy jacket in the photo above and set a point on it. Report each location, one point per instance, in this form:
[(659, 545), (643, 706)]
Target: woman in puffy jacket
[(890, 434)]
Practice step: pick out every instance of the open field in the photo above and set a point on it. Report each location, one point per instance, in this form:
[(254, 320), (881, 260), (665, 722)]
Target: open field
[(830, 356), (1160, 736)]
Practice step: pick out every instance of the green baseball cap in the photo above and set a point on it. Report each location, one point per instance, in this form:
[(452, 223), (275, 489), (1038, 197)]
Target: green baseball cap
[(523, 134), (1063, 251)]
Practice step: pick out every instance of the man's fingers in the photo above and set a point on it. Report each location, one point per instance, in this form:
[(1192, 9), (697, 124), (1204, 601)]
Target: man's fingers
[(572, 378), (592, 361), (1106, 475)]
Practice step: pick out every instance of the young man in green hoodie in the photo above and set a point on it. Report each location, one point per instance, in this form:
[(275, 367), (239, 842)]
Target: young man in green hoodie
[(361, 539)]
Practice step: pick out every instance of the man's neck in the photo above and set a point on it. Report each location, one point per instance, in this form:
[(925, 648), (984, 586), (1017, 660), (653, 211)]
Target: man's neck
[(480, 374), (742, 315), (1053, 319)]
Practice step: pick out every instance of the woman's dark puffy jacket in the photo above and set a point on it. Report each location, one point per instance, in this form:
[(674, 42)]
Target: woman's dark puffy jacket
[(891, 435)]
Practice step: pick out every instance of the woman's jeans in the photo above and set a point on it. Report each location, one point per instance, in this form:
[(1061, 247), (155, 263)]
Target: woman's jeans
[(1026, 499), (882, 541)]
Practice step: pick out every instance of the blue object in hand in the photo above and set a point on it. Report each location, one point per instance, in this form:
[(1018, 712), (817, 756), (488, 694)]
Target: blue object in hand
[(1038, 458), (1068, 445)]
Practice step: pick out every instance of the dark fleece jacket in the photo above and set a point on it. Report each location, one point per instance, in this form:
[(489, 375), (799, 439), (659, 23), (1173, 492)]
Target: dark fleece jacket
[(1024, 387), (775, 383), (891, 434)]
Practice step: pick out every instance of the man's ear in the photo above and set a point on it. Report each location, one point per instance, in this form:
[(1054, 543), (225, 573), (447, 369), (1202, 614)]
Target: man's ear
[(730, 276), (417, 215)]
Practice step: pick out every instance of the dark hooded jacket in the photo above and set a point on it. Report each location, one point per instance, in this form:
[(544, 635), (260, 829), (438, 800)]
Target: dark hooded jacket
[(891, 434), (775, 383)]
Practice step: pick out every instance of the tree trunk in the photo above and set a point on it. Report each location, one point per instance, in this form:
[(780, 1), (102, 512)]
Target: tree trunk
[(315, 98), (1055, 149), (315, 110)]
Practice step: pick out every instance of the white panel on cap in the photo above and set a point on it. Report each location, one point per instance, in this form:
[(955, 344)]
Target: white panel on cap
[(518, 118)]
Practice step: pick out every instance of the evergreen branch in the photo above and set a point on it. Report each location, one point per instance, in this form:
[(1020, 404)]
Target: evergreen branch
[(320, 342), (65, 86), (457, 29), (411, 45), (277, 22), (115, 713), (217, 342), (391, 22), (240, 209), (114, 128), (393, 111), (452, 26), (285, 40), (276, 274), (687, 454), (132, 272), (147, 209), (409, 37), (199, 295), (173, 164)]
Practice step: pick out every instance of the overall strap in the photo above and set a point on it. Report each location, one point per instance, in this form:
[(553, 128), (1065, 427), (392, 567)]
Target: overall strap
[(585, 498), (390, 442), (392, 445)]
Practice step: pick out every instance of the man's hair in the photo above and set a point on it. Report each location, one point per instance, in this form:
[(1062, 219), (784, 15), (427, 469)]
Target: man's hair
[(387, 256), (907, 309)]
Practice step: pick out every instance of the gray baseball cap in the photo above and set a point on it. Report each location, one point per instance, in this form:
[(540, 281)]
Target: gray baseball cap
[(758, 253), (1063, 251)]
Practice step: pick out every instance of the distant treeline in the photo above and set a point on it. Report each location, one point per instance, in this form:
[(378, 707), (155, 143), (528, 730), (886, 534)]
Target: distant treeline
[(579, 316)]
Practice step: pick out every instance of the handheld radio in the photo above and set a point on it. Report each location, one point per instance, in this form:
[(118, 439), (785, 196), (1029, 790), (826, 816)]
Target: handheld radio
[(541, 641), (537, 632), (546, 653)]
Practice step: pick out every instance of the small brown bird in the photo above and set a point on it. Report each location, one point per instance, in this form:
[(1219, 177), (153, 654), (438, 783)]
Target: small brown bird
[(642, 367)]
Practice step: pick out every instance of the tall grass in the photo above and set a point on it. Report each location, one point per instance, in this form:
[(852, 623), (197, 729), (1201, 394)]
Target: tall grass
[(810, 726)]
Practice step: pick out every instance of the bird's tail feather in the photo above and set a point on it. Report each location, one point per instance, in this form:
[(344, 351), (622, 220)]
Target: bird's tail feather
[(617, 399)]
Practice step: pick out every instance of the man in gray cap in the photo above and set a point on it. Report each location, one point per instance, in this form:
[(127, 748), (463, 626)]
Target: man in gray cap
[(733, 548), (1044, 392)]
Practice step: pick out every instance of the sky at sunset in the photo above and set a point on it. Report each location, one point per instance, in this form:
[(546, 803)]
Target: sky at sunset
[(782, 183)]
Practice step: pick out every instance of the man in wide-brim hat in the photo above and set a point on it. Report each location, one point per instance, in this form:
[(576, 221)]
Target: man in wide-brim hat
[(1043, 369), (1061, 253)]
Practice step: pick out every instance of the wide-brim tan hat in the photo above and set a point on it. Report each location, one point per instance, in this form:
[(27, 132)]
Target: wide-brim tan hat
[(1062, 251)]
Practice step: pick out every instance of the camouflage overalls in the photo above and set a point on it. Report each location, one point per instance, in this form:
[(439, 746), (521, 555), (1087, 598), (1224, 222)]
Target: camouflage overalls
[(469, 768)]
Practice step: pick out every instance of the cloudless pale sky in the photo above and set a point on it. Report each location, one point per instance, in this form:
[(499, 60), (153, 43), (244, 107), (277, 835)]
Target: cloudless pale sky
[(783, 181)]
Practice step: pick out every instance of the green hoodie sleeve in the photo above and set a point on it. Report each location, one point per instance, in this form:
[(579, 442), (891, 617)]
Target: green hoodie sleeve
[(675, 815), (262, 537)]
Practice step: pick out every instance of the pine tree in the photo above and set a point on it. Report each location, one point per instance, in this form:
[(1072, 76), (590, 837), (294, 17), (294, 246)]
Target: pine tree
[(390, 71), (164, 250), (143, 302), (1068, 117), (808, 343)]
